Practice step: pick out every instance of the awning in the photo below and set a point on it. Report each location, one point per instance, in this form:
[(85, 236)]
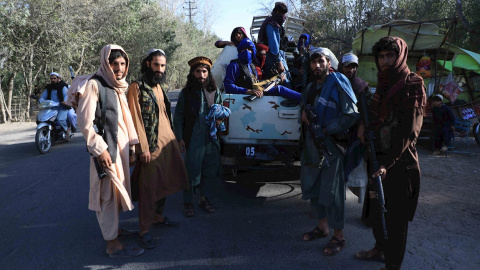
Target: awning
[(463, 59)]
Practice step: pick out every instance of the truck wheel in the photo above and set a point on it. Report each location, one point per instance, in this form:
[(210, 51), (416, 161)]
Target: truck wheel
[(476, 132), (43, 140)]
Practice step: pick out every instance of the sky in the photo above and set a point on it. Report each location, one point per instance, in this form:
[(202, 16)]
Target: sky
[(231, 14)]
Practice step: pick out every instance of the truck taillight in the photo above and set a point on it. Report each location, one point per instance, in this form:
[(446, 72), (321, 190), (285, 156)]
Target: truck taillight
[(225, 104)]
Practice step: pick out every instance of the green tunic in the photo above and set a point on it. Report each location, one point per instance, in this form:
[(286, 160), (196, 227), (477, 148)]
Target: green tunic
[(324, 185), (202, 158)]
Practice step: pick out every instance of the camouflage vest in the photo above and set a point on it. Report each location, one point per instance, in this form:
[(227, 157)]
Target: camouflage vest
[(149, 107)]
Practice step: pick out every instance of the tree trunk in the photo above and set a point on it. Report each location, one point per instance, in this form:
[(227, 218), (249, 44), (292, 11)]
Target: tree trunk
[(2, 101), (11, 80)]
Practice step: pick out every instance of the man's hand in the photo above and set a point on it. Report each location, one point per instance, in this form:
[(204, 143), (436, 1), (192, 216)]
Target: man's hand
[(282, 77), (381, 172), (181, 144), (280, 67), (145, 157), (304, 117), (104, 159), (258, 93), (218, 122)]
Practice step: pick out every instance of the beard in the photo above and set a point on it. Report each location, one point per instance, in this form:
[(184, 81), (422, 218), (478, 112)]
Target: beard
[(155, 78), (198, 83), (320, 73)]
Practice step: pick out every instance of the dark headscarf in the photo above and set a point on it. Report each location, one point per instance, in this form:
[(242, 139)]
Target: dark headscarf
[(236, 30), (246, 44), (394, 79), (307, 43)]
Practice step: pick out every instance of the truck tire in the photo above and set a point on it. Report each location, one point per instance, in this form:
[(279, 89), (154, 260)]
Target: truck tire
[(476, 132)]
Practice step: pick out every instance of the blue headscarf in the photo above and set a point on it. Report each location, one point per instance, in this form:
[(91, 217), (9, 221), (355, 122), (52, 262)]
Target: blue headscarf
[(307, 43), (246, 56)]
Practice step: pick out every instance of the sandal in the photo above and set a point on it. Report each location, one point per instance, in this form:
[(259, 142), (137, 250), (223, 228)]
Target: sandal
[(147, 241), (207, 206), (314, 234), (166, 223), (188, 210), (126, 252), (335, 245), (370, 255)]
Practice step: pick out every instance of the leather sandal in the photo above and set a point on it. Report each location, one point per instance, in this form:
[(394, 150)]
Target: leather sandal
[(126, 252), (188, 210), (335, 245), (166, 223), (207, 206), (314, 234), (147, 241)]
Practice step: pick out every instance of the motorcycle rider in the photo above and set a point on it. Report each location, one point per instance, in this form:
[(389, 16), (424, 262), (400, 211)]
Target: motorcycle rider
[(57, 92)]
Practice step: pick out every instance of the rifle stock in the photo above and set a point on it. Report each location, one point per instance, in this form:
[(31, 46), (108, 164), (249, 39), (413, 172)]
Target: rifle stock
[(316, 132), (374, 163)]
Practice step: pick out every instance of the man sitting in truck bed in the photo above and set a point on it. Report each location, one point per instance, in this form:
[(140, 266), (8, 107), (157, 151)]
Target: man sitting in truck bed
[(241, 75)]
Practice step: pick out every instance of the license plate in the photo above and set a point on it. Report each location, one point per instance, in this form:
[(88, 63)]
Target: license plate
[(250, 152)]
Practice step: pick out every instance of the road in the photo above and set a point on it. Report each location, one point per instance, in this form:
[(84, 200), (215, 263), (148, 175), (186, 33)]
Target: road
[(45, 223)]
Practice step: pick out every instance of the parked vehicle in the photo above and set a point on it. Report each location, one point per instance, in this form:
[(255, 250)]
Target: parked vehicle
[(49, 130)]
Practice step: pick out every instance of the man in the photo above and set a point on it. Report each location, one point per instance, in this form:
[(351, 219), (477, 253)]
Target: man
[(322, 172), (260, 63), (202, 152), (272, 34), (444, 123), (355, 167), (160, 171), (57, 92), (300, 71), (238, 34), (102, 101), (397, 114), (241, 74)]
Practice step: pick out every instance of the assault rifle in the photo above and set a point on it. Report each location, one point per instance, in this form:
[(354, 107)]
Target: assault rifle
[(370, 140), (316, 132), (266, 85)]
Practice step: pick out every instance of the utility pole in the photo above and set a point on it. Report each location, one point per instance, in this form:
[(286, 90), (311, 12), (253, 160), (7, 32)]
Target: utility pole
[(190, 8)]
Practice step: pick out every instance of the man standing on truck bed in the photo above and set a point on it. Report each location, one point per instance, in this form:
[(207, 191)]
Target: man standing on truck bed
[(202, 152), (241, 74), (272, 34), (332, 99)]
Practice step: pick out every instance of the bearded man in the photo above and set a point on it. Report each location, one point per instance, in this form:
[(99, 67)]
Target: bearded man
[(202, 151), (57, 92), (160, 170), (396, 113), (322, 178), (106, 124)]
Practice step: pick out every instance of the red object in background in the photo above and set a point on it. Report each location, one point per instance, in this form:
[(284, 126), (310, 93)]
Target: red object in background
[(423, 67)]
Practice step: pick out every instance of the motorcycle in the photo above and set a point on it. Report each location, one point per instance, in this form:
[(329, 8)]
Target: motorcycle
[(49, 130)]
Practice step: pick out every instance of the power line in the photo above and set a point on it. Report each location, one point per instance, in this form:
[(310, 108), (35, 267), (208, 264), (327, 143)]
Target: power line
[(190, 8)]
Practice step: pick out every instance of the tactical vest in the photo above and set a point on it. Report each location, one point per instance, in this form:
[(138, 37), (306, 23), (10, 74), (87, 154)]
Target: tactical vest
[(106, 116), (245, 79), (59, 87)]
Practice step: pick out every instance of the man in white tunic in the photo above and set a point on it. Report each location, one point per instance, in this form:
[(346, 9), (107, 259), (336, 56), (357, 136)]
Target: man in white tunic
[(105, 121)]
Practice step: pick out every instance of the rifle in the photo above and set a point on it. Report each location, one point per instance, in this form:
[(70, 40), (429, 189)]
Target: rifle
[(370, 139), (266, 85), (316, 132)]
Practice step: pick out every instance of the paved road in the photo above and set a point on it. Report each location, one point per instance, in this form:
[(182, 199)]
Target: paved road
[(45, 223)]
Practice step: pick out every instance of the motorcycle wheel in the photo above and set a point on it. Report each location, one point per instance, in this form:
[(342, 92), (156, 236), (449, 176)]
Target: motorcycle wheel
[(43, 140), (476, 132)]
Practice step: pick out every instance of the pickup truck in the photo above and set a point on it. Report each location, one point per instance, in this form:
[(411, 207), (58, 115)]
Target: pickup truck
[(263, 133)]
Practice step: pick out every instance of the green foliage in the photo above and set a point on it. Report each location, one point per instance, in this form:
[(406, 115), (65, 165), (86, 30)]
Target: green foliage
[(41, 36)]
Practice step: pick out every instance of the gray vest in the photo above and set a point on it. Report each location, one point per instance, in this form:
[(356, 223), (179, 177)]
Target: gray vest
[(106, 116)]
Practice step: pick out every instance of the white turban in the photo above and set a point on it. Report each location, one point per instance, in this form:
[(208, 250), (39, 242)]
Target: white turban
[(325, 51), (55, 74)]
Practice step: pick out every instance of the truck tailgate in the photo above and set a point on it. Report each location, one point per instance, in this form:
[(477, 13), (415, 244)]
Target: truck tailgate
[(269, 117)]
